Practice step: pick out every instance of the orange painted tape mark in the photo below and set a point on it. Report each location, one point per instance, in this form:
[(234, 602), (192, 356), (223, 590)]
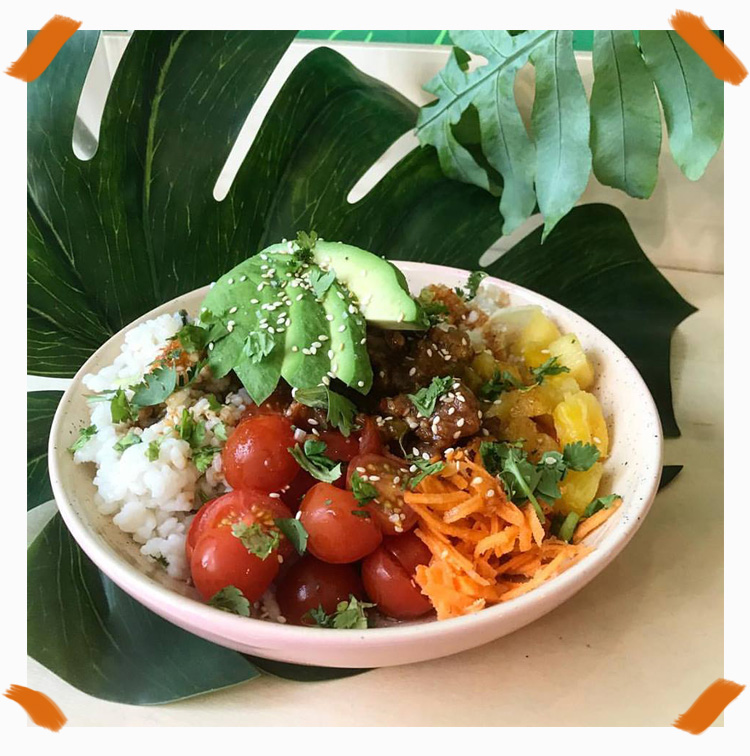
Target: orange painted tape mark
[(43, 48), (42, 709), (719, 58), (707, 707)]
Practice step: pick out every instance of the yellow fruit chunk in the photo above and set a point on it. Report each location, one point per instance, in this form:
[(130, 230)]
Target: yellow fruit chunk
[(579, 417), (579, 489), (535, 441), (484, 364), (537, 334), (569, 352)]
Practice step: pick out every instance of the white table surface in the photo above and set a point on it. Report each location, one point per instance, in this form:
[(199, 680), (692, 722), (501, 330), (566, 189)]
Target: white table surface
[(633, 648)]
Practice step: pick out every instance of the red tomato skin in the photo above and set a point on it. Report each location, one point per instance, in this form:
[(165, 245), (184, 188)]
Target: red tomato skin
[(219, 559), (257, 454), (409, 550), (311, 583), (369, 437), (391, 587), (340, 448), (301, 484), (225, 511), (335, 535), (390, 493)]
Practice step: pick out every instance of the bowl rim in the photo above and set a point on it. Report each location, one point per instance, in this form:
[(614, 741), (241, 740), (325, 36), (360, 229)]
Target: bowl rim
[(256, 631)]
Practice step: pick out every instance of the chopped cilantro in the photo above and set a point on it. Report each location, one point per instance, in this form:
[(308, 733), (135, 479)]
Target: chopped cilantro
[(341, 412), (295, 531), (204, 456), (360, 513), (499, 384), (230, 599), (426, 398), (255, 539), (364, 492), (349, 615), (213, 403), (258, 344), (549, 367), (472, 285), (311, 458), (305, 244), (435, 311), (580, 456), (155, 387), (219, 430), (84, 436), (425, 468), (152, 453), (193, 338), (191, 431), (128, 440), (321, 281), (121, 409), (603, 502), (518, 476)]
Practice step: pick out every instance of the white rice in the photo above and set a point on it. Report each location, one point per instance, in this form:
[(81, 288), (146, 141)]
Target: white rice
[(153, 501)]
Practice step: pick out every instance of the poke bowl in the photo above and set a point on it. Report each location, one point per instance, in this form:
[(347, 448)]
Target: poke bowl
[(501, 451)]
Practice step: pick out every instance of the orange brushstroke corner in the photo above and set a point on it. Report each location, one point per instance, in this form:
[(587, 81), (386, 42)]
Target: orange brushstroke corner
[(43, 48), (707, 707), (42, 709), (719, 58)]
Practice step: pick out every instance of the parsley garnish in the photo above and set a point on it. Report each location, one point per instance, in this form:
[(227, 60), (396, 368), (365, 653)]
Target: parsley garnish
[(364, 492), (434, 310), (349, 615), (121, 409), (603, 502), (295, 531), (305, 244), (219, 430), (84, 436), (580, 456), (472, 285), (340, 411), (425, 399), (152, 453), (549, 367), (258, 344), (191, 431), (155, 387), (213, 403), (255, 539), (321, 281), (425, 468), (204, 457), (230, 599), (130, 439), (506, 381), (311, 458), (193, 338)]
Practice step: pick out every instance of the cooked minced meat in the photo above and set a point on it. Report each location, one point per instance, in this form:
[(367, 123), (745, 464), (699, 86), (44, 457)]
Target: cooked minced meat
[(456, 416)]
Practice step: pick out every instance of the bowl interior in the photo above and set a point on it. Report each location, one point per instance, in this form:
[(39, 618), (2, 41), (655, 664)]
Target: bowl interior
[(632, 470)]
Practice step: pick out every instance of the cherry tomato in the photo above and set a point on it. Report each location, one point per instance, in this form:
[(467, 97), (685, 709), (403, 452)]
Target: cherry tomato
[(220, 559), (311, 583), (388, 577), (339, 447), (256, 454), (389, 479), (337, 532), (301, 484), (225, 511), (369, 437)]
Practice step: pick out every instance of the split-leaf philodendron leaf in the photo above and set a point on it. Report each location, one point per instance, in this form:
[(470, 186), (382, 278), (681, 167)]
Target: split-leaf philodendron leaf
[(618, 133), (137, 224)]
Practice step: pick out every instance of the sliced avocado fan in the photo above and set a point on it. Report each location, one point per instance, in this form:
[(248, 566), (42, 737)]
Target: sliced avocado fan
[(298, 311)]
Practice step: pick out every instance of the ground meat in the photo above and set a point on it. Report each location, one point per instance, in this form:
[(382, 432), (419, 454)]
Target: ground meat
[(456, 416), (404, 361)]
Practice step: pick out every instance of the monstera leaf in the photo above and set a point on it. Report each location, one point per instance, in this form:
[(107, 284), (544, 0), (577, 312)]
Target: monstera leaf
[(619, 134), (114, 236)]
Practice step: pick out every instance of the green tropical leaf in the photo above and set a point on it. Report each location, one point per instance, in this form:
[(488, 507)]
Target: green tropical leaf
[(619, 135), (40, 409), (692, 98), (625, 120), (93, 635)]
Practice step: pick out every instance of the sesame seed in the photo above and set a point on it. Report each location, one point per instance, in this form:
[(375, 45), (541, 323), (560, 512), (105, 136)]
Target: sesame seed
[(460, 422), (451, 410), (429, 352), (271, 330), (322, 337), (360, 384), (397, 479), (312, 422), (457, 434), (596, 439), (374, 477), (361, 470), (341, 346), (299, 296), (490, 493), (342, 328), (426, 456), (275, 495), (401, 316), (232, 310), (415, 451), (363, 341), (329, 318), (243, 278), (210, 346), (230, 281), (326, 380), (477, 481), (330, 354), (295, 348)]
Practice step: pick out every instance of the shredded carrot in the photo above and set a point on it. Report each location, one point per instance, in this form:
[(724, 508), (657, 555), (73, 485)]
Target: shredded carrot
[(484, 548)]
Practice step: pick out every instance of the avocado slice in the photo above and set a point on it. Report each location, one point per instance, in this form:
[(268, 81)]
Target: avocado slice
[(379, 286), (350, 361)]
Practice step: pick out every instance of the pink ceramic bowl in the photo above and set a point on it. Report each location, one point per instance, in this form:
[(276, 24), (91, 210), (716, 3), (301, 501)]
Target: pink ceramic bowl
[(633, 470)]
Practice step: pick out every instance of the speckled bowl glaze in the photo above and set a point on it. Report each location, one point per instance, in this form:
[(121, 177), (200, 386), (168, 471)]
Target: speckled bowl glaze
[(632, 470)]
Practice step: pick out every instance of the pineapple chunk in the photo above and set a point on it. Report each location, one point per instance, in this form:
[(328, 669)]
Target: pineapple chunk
[(535, 441), (579, 417), (484, 364), (569, 352), (579, 489), (537, 334)]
